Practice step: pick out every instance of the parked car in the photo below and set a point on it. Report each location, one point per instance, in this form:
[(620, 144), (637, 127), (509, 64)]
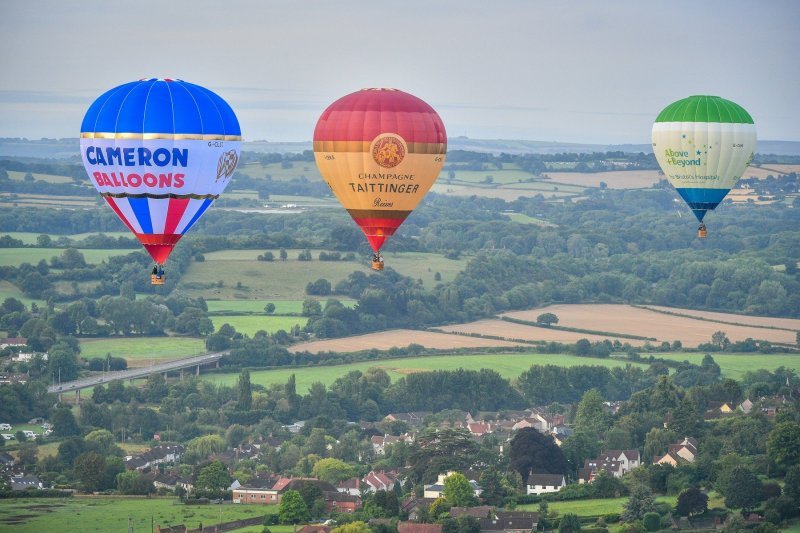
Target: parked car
[(8, 436), (5, 426)]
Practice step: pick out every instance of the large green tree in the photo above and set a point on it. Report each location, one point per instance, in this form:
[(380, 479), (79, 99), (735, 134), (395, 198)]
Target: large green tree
[(744, 490), (213, 477), (332, 470), (534, 451), (90, 469), (293, 509), (691, 501), (245, 391), (641, 501), (458, 492), (783, 444)]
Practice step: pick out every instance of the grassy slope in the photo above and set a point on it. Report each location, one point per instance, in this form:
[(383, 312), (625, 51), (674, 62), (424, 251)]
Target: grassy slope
[(17, 256), (111, 514), (593, 507), (508, 365), (735, 365), (143, 348), (249, 324)]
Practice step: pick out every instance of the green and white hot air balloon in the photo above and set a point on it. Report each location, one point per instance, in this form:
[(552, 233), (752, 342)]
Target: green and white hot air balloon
[(703, 144)]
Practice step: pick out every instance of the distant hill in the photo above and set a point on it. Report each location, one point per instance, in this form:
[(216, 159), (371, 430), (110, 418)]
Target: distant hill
[(68, 148)]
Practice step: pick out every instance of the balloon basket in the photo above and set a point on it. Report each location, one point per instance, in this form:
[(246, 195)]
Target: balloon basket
[(377, 265), (702, 232), (156, 280)]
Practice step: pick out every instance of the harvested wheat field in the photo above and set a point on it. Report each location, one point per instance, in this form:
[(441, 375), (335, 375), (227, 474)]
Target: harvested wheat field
[(630, 320), (617, 179), (509, 330), (783, 169), (398, 338), (792, 324), (507, 194), (767, 170)]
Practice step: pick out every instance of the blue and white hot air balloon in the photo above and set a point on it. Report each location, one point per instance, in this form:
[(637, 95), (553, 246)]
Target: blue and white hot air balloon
[(160, 151)]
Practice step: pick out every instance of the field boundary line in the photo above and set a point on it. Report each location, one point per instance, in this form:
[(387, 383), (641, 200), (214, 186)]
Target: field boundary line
[(715, 320), (577, 330)]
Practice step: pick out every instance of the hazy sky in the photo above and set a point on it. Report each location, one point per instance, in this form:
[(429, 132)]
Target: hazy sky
[(573, 71)]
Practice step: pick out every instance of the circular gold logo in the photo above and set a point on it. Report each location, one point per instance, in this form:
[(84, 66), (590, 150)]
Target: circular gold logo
[(388, 151)]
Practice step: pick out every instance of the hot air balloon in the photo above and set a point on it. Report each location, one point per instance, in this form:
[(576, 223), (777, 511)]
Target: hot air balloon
[(379, 150), (703, 144), (160, 151)]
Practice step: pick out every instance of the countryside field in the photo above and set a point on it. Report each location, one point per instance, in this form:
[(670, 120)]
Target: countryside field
[(647, 323), (29, 237), (618, 179), (249, 324), (85, 514), (594, 507), (508, 365), (141, 351), (17, 256), (287, 280), (383, 340), (282, 307), (509, 330), (736, 365)]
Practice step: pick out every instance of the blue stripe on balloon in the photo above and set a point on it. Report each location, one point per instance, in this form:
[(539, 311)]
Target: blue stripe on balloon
[(701, 200), (202, 209), (142, 211), (158, 106)]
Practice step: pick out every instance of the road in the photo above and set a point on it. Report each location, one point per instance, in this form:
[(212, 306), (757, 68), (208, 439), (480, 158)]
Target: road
[(108, 377)]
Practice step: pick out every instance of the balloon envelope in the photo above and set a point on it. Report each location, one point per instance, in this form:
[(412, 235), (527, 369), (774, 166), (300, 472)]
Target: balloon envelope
[(703, 144), (379, 150), (160, 151)]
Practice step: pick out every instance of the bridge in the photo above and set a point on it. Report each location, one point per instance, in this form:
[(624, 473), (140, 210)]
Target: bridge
[(136, 373)]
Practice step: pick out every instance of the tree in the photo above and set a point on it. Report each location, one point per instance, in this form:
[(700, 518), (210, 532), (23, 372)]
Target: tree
[(213, 477), (64, 423), (547, 319), (462, 524), (352, 527), (783, 444), (691, 501), (90, 469), (641, 501), (245, 391), (332, 470), (537, 452), (570, 523), (134, 482), (311, 307), (293, 508), (269, 308), (26, 455), (791, 485), (458, 492), (284, 254), (720, 340), (743, 489), (591, 416)]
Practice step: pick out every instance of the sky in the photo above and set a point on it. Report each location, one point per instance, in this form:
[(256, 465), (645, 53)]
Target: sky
[(581, 71)]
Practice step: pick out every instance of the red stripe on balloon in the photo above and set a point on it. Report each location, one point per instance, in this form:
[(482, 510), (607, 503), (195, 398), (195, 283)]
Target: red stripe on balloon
[(175, 210), (113, 203), (378, 230), (363, 115)]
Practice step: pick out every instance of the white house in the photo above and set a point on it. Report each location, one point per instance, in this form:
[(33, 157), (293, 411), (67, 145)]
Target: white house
[(543, 483), (437, 489)]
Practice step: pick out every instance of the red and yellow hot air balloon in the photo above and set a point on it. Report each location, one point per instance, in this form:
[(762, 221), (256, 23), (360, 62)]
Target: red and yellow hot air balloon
[(379, 150)]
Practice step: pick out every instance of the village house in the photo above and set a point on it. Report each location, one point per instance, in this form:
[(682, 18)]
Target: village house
[(25, 481), (350, 486), (339, 502), (436, 490), (13, 342), (685, 450), (9, 378), (544, 483), (479, 511), (510, 522), (161, 454), (379, 443), (613, 462), (171, 481), (414, 419), (375, 481), (413, 527), (413, 506), (268, 492)]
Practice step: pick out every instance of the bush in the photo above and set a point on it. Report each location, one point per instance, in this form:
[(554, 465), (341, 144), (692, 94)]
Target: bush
[(651, 521), (611, 518)]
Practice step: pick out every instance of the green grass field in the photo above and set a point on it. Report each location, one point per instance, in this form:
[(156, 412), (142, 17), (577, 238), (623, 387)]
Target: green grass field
[(17, 256), (507, 365), (249, 324), (282, 307), (29, 237), (83, 514), (143, 348), (9, 290), (735, 365), (593, 507), (52, 178), (525, 219)]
